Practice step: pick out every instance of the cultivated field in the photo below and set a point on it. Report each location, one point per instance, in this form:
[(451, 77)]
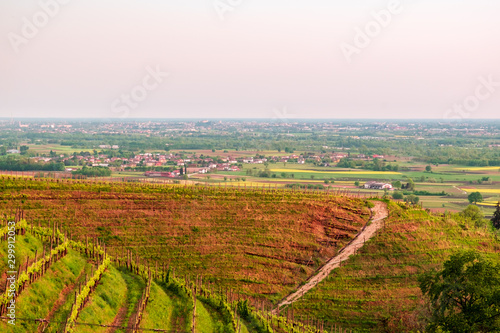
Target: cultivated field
[(377, 290), (264, 242)]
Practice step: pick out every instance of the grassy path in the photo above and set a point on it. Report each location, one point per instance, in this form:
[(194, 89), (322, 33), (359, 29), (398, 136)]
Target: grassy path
[(158, 313), (135, 288), (37, 301), (113, 301), (120, 318), (379, 214), (205, 321), (104, 303), (209, 320), (62, 307), (182, 309)]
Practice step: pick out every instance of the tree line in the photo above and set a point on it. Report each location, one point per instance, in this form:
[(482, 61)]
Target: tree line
[(14, 163)]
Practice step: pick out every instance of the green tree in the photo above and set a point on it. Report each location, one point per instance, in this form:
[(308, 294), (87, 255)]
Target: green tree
[(93, 171), (410, 186), (396, 184), (377, 164), (428, 168), (473, 214), (356, 183), (397, 195), (496, 217), (412, 199), (464, 295), (475, 197)]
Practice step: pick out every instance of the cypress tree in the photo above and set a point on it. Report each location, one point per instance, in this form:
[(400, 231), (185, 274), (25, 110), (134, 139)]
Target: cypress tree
[(496, 217)]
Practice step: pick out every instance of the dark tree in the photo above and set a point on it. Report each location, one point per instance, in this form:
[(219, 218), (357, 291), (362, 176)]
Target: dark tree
[(24, 150), (496, 217)]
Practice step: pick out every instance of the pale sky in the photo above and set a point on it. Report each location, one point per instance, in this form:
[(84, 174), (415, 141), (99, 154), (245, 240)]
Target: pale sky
[(250, 58)]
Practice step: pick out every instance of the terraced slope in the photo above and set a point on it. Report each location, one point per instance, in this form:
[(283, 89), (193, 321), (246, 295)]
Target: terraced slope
[(46, 303), (377, 289), (261, 243), (30, 246), (242, 244), (379, 213), (41, 299)]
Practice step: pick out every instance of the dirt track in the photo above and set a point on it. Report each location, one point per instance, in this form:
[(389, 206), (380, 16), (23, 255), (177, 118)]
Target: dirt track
[(379, 214)]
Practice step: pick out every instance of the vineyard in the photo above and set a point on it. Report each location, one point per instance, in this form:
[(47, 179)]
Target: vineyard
[(170, 258), (183, 302), (118, 257), (378, 289)]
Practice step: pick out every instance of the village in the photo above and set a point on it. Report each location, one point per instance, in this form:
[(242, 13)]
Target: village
[(177, 164)]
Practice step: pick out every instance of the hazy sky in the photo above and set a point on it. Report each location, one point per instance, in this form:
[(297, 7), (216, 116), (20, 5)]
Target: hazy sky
[(250, 58)]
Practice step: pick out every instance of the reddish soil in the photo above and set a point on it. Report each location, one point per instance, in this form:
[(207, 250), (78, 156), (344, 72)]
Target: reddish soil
[(379, 214)]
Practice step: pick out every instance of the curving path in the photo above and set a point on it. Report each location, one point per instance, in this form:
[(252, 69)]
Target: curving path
[(379, 212)]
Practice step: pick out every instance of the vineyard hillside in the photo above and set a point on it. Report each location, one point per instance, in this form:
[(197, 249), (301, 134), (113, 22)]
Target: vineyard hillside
[(69, 286), (378, 289), (114, 257), (229, 245)]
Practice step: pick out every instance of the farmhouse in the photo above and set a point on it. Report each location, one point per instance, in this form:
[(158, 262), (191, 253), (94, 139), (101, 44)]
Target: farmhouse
[(378, 186), (159, 174)]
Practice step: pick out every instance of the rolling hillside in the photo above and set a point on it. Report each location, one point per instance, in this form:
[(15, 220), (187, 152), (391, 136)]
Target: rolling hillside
[(263, 243), (97, 257), (377, 290), (229, 245)]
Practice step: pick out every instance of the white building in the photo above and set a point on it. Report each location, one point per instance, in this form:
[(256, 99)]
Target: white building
[(378, 186)]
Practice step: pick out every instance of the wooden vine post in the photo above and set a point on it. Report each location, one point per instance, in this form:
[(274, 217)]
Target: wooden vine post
[(194, 309)]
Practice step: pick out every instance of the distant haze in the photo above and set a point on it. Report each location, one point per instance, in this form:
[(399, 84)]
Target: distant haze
[(251, 58)]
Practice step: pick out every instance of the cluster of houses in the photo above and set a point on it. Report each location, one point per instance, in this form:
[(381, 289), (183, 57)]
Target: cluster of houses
[(194, 164), (156, 160), (192, 169)]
